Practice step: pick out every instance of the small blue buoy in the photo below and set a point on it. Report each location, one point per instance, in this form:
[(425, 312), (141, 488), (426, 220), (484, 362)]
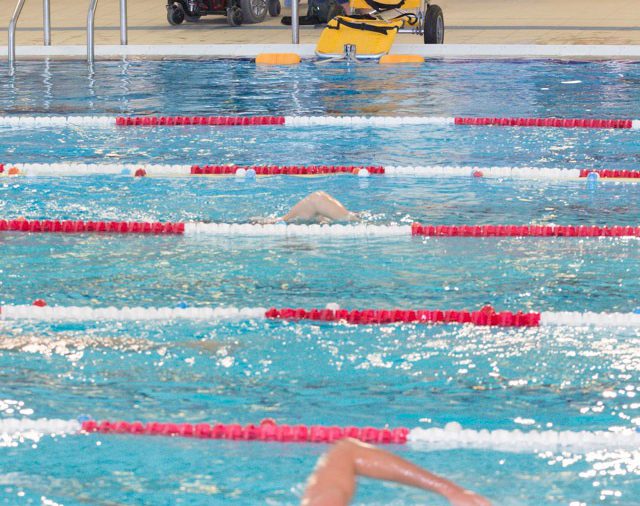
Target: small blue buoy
[(251, 173), (84, 418), (125, 172), (182, 305), (637, 310), (592, 180)]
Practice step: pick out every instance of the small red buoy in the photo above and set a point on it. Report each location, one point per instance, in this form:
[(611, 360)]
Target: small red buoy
[(488, 309), (1, 168), (39, 303), (477, 173), (140, 173)]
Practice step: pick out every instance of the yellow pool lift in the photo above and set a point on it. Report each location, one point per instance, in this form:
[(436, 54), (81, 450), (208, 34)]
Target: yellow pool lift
[(371, 32)]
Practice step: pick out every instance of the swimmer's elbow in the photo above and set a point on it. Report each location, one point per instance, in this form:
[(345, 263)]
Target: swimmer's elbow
[(319, 195)]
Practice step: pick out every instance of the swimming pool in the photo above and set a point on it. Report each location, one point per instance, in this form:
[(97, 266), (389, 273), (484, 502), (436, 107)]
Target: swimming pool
[(555, 378)]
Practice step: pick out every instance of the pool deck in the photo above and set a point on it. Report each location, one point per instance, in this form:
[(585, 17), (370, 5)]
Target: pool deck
[(614, 24)]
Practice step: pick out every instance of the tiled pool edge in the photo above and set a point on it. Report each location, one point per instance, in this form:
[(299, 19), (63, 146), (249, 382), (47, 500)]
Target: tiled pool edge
[(308, 50)]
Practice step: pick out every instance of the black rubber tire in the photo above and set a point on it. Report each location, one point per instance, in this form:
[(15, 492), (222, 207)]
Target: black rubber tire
[(235, 16), (433, 25), (254, 11), (175, 14), (275, 7)]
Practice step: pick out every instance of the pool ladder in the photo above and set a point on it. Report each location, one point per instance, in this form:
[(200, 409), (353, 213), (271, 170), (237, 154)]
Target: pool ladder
[(46, 18)]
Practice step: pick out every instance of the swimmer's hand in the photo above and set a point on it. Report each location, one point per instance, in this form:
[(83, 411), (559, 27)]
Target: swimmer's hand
[(462, 497), (269, 220)]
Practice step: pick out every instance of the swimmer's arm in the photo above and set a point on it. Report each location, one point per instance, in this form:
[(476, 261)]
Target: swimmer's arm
[(334, 481), (319, 205)]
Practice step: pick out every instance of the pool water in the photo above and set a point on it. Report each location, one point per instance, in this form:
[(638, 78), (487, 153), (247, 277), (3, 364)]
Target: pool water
[(400, 375)]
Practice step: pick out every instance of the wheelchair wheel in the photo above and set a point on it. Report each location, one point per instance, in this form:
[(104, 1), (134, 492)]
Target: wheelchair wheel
[(175, 13), (274, 8), (253, 11), (235, 16), (433, 25)]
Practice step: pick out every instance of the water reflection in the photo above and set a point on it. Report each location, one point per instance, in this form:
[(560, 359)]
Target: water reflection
[(441, 88)]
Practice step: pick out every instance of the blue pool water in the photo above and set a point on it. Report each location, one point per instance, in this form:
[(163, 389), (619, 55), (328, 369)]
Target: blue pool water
[(405, 375)]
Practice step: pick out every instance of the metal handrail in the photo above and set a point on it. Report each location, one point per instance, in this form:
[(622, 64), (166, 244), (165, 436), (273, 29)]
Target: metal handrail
[(12, 31), (91, 15), (295, 23), (46, 27), (46, 22), (123, 22)]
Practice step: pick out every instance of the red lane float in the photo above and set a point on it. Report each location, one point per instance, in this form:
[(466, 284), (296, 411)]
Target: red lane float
[(484, 317), (110, 227), (199, 120), (267, 430), (546, 122), (270, 170), (611, 173), (523, 231)]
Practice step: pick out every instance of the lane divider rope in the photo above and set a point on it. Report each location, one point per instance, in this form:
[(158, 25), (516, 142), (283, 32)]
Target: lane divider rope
[(486, 316), (177, 170), (451, 436), (301, 121), (334, 230)]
